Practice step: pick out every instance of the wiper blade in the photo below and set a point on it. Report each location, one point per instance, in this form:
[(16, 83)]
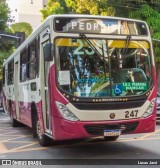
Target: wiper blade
[(83, 36), (102, 57), (127, 44)]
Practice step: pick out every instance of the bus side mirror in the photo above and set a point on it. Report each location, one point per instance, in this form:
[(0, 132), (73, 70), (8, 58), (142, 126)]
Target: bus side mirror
[(48, 52)]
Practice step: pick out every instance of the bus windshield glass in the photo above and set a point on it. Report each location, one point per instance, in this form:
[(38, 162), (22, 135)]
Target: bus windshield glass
[(88, 67)]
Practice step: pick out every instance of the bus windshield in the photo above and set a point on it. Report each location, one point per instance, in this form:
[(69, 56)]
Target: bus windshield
[(88, 67)]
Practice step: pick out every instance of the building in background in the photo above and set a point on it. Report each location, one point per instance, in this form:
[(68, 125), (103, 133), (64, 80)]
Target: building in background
[(26, 11)]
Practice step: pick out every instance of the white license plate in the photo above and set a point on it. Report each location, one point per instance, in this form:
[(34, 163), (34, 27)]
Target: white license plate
[(112, 132)]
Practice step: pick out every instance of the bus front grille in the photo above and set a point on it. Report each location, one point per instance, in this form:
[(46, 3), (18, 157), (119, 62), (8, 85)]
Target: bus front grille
[(98, 129)]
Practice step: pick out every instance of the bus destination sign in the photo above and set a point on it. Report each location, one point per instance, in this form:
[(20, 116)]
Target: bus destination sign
[(99, 26)]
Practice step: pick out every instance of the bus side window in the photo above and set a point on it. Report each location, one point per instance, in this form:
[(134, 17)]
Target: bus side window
[(10, 72), (33, 63), (37, 54), (3, 76), (23, 65)]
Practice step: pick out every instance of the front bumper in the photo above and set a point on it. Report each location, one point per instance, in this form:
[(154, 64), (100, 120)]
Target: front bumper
[(63, 129)]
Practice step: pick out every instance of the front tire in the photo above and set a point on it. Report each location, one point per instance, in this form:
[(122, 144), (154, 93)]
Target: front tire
[(44, 140), (14, 122)]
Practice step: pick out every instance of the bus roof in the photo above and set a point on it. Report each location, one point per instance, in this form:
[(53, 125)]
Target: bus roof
[(93, 16)]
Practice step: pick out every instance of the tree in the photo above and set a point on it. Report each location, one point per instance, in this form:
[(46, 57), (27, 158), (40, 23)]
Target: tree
[(95, 7), (54, 7), (22, 27), (4, 10), (5, 49)]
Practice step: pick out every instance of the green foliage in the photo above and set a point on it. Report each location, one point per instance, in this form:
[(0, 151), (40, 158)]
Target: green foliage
[(53, 7), (4, 54), (22, 27), (6, 45), (94, 7), (5, 48), (4, 10), (151, 16)]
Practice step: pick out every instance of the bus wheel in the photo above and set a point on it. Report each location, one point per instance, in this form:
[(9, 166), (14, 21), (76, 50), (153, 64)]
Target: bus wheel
[(111, 138), (14, 122), (43, 139), (34, 124)]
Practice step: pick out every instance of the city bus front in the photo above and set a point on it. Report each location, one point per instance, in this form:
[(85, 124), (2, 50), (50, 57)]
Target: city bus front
[(105, 78)]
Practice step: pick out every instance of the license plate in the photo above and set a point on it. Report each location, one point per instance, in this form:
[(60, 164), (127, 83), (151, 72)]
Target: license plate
[(112, 132)]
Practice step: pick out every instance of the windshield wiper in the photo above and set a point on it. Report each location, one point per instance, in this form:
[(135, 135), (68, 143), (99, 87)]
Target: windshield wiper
[(85, 38), (102, 57), (127, 44), (104, 64)]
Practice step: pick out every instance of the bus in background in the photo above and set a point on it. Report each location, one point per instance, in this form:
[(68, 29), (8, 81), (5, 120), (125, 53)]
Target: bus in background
[(80, 76)]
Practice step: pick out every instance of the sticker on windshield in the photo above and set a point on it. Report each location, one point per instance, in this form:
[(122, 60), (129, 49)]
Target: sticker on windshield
[(118, 89), (135, 86), (64, 78)]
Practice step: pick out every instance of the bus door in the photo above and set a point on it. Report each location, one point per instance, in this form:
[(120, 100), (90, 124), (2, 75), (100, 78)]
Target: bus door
[(44, 73), (16, 88)]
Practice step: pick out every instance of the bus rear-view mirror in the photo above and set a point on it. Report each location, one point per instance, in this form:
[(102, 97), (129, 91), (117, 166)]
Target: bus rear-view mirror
[(48, 52)]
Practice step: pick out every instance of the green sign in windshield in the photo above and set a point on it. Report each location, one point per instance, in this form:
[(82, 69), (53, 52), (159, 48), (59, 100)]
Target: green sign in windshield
[(135, 86)]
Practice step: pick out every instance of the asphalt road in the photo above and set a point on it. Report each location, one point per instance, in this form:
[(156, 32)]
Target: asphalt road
[(18, 143)]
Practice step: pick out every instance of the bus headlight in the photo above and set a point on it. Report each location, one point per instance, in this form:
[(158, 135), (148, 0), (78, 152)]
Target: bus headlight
[(66, 113), (150, 108)]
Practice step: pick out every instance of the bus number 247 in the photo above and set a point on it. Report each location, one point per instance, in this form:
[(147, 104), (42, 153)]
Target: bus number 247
[(131, 114)]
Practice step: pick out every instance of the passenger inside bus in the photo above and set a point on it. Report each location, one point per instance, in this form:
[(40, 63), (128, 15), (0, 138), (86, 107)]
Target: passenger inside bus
[(32, 64), (128, 68)]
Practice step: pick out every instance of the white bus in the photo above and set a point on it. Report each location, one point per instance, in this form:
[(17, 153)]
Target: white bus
[(81, 76)]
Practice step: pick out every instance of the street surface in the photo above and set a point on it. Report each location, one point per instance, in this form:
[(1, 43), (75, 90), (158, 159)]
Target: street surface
[(18, 143)]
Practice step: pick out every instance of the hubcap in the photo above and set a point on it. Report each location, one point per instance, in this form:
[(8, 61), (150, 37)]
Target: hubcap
[(39, 131)]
